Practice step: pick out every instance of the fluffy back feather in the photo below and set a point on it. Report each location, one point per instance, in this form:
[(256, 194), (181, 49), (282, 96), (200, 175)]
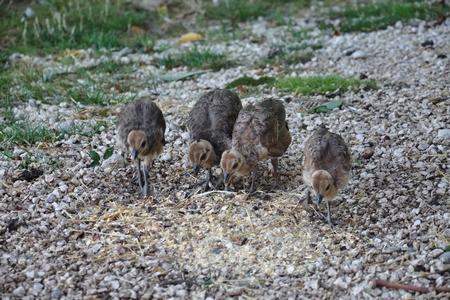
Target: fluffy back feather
[(327, 151), (142, 115), (212, 118), (261, 131)]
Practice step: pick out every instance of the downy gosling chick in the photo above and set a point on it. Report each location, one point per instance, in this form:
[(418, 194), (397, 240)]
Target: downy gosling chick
[(326, 166), (141, 128), (261, 132), (211, 122)]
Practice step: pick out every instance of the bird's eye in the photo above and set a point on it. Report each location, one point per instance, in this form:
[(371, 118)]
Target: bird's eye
[(235, 165), (203, 156), (328, 187), (143, 144)]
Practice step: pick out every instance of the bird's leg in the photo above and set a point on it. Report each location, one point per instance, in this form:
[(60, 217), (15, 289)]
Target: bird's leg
[(253, 186), (307, 199), (209, 180), (274, 162), (147, 189), (329, 214), (139, 173)]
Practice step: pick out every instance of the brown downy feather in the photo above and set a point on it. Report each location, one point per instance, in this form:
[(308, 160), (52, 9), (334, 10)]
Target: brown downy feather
[(260, 132), (141, 125), (211, 122), (326, 151)]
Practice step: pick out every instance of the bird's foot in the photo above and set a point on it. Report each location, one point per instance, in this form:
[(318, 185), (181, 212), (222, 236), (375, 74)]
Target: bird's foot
[(147, 191), (253, 184), (252, 189), (204, 183), (329, 221), (307, 200)]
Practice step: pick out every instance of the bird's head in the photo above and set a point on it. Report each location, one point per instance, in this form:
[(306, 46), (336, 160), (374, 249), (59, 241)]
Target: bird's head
[(201, 154), (323, 185), (137, 141), (233, 165)]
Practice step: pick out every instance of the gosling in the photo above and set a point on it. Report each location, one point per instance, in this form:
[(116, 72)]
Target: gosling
[(260, 132), (141, 128), (326, 166), (211, 122)]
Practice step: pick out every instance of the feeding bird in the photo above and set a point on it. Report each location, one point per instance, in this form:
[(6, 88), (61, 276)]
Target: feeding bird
[(326, 166), (211, 122), (260, 132), (141, 128)]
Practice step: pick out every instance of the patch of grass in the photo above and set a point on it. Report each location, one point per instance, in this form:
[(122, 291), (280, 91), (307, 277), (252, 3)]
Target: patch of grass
[(236, 11), (196, 59), (96, 97), (226, 33), (290, 54), (7, 110), (87, 86), (283, 57), (25, 133), (379, 15), (310, 85), (72, 24), (111, 67), (249, 81)]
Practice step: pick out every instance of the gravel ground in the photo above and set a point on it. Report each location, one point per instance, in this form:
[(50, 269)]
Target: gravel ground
[(83, 232)]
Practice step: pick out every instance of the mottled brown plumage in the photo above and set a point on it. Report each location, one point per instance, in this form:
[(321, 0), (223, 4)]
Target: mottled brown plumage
[(141, 128), (211, 122), (260, 132), (326, 166)]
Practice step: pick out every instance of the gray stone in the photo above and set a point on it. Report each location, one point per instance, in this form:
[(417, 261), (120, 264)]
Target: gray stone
[(30, 274), (435, 253), (66, 125), (19, 292), (445, 257), (56, 294), (37, 288), (115, 161), (339, 282), (444, 133), (359, 54), (28, 13)]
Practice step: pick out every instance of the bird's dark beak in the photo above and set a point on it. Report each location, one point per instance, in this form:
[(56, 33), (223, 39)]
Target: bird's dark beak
[(196, 169), (134, 153), (318, 199)]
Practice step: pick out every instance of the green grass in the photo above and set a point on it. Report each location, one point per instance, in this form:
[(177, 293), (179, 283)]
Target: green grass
[(291, 54), (297, 46), (71, 24), (379, 15), (196, 59), (7, 110), (25, 133), (310, 85), (22, 132), (236, 11), (22, 82), (96, 97), (286, 57)]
